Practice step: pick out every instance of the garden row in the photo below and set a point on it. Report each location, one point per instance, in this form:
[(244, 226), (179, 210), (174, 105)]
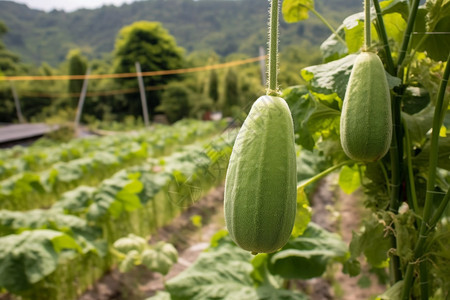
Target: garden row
[(57, 253), (87, 161)]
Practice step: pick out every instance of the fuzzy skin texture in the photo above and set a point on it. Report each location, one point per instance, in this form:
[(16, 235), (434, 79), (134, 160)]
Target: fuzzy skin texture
[(261, 182), (366, 119)]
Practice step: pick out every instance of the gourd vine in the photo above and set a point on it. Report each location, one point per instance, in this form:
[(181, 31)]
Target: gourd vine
[(273, 49)]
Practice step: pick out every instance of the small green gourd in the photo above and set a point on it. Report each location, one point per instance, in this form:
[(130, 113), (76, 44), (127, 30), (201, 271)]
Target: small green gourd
[(366, 119), (261, 180)]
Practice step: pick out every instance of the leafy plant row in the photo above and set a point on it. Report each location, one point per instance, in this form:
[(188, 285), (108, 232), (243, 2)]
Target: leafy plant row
[(41, 156), (49, 251), (28, 190)]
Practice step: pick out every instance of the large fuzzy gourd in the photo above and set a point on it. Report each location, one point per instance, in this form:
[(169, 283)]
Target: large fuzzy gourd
[(260, 186), (366, 122)]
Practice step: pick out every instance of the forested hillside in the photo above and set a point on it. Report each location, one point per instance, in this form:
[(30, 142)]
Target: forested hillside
[(223, 26)]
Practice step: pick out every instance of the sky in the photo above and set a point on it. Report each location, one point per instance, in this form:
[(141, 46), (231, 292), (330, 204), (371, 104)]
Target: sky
[(69, 5)]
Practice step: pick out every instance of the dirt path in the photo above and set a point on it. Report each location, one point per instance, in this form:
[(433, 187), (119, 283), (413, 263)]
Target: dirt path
[(341, 213), (189, 240)]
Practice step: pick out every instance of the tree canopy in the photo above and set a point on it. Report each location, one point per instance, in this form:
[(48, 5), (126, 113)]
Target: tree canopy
[(150, 44)]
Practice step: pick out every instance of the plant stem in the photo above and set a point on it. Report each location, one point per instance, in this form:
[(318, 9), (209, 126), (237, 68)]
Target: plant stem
[(423, 267), (325, 22), (407, 35), (273, 49), (396, 167), (440, 210), (367, 24), (412, 187), (425, 226), (389, 61), (322, 174)]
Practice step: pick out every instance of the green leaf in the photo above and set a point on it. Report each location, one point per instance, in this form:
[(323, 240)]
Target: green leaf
[(352, 267), (296, 10), (349, 179), (373, 243), (313, 115), (332, 48), (331, 77), (415, 99), (85, 236), (129, 262), (134, 187), (396, 6), (443, 156), (433, 17), (307, 256), (160, 295), (303, 216), (28, 257), (223, 273), (129, 243), (392, 293), (77, 200)]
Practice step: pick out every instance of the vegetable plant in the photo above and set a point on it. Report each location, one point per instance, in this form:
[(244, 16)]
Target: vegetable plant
[(406, 233)]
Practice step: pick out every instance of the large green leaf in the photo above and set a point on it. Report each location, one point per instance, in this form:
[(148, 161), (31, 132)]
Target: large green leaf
[(372, 242), (332, 48), (77, 200), (431, 27), (419, 124), (303, 216), (443, 155), (296, 10), (333, 77), (223, 273), (312, 116), (308, 255), (28, 257), (79, 229)]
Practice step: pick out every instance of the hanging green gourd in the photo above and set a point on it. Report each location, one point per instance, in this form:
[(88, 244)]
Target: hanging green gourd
[(261, 181), (366, 119)]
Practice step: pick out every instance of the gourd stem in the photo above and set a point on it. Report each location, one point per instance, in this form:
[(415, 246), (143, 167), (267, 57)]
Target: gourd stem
[(322, 174), (407, 35), (367, 23), (382, 30), (425, 227), (273, 49), (325, 22)]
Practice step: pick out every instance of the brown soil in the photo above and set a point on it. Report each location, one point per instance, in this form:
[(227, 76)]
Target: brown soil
[(341, 213)]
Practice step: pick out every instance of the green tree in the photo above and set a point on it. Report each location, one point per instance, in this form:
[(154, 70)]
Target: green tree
[(175, 101), (155, 49), (213, 86), (77, 66), (9, 65), (9, 62), (231, 94)]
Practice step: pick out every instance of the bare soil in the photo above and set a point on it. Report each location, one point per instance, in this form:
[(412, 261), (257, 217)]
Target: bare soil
[(341, 213)]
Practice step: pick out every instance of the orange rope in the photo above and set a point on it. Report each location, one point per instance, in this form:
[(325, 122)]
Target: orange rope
[(90, 94), (128, 75)]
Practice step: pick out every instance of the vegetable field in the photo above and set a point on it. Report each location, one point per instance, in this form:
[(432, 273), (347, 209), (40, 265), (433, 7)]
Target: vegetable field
[(66, 205), (335, 188)]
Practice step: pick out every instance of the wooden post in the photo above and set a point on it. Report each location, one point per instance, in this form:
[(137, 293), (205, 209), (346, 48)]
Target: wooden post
[(17, 103), (82, 97), (142, 91), (262, 63)]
